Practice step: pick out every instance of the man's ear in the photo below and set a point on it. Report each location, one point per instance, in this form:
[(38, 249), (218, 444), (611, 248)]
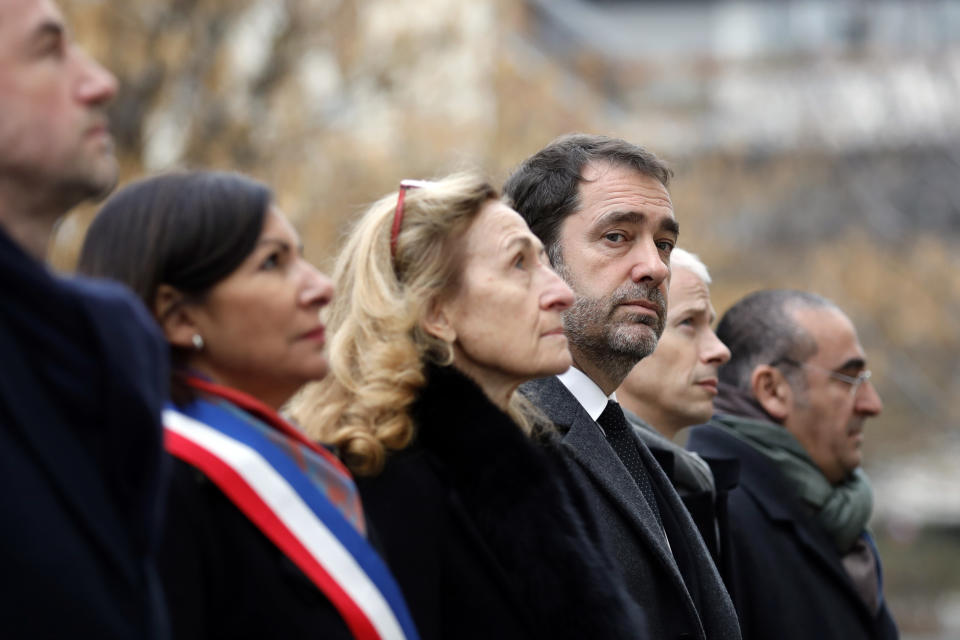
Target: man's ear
[(176, 318), (772, 391), (437, 323)]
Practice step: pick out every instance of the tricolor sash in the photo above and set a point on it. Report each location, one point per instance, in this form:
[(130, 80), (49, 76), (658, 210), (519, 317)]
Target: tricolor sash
[(271, 482)]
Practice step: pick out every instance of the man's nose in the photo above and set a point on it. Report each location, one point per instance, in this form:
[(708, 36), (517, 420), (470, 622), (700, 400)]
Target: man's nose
[(649, 265), (714, 351), (96, 85), (867, 401)]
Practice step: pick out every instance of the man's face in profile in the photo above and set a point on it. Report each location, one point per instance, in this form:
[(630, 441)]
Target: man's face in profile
[(826, 414), (53, 128)]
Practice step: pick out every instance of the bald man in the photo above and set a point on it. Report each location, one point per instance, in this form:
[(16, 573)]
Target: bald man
[(794, 402)]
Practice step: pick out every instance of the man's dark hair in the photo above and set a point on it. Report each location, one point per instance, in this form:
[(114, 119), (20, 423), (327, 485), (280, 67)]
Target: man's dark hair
[(544, 189), (188, 230), (761, 329)]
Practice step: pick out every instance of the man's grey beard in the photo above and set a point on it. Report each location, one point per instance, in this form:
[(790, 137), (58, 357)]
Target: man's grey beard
[(613, 347)]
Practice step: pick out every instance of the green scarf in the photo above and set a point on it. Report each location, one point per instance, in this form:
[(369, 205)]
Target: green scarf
[(843, 510)]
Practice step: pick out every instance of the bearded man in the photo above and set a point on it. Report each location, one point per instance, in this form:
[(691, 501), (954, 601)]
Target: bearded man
[(601, 208)]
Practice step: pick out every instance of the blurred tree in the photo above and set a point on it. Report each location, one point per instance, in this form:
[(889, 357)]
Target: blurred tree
[(332, 102)]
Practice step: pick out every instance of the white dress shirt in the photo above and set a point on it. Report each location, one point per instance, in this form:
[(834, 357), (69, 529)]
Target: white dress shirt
[(590, 396)]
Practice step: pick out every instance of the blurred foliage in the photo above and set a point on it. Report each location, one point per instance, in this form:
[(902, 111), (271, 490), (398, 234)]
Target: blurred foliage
[(920, 580), (332, 102)]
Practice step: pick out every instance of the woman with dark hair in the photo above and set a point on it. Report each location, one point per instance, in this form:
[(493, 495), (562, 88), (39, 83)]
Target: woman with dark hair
[(452, 306), (265, 535)]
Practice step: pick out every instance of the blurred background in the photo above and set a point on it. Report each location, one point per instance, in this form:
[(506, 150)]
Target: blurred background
[(816, 145)]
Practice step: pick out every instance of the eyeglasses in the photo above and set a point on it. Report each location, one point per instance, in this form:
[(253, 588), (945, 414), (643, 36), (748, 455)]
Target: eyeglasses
[(854, 381), (398, 212)]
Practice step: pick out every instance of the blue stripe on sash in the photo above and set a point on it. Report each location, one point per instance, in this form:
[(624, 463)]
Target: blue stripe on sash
[(227, 422)]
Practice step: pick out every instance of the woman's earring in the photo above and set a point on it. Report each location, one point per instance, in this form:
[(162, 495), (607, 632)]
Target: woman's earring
[(197, 342)]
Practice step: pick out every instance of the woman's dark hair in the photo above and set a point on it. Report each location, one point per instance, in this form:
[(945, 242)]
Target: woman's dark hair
[(188, 230)]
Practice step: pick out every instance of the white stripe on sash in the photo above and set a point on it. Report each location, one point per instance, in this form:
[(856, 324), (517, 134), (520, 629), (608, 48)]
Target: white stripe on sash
[(287, 504)]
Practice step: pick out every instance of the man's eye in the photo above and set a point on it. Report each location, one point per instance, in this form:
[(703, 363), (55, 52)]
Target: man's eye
[(665, 246), (519, 262), (615, 236)]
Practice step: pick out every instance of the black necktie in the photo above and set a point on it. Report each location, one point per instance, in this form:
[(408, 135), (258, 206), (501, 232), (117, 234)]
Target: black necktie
[(619, 436)]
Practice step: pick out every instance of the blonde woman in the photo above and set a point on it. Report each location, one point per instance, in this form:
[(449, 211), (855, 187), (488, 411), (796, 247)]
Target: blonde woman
[(447, 305)]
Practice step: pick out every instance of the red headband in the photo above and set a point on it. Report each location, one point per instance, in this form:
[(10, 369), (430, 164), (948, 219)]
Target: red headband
[(398, 213)]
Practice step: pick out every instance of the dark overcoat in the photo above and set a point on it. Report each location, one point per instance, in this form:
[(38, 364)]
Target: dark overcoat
[(83, 378), (706, 504), (677, 585), (787, 578), (483, 532)]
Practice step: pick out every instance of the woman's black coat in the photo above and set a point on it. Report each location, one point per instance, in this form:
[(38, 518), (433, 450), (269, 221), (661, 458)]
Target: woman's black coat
[(225, 579), (484, 533)]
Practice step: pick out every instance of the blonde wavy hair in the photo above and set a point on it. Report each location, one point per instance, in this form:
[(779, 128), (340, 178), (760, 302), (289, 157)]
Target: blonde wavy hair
[(378, 347)]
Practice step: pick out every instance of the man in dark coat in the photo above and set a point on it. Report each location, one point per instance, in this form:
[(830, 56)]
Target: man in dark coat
[(82, 369), (601, 208), (792, 406), (673, 389)]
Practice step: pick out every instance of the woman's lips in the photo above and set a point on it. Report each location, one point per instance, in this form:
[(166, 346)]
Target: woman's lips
[(316, 335)]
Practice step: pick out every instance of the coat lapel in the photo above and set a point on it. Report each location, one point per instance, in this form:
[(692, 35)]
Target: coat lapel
[(594, 454)]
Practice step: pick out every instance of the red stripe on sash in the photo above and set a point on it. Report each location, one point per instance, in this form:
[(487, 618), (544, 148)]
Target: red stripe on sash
[(250, 503), (266, 414)]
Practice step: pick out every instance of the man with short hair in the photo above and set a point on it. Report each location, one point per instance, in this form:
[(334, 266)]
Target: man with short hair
[(673, 389), (793, 401), (84, 373), (601, 208)]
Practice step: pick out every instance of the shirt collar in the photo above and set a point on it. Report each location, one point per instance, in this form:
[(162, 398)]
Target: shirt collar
[(586, 391)]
